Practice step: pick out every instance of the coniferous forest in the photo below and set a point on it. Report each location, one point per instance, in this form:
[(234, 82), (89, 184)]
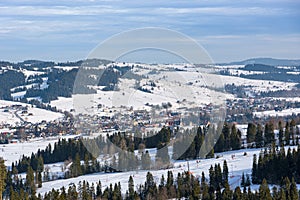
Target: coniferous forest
[(276, 164)]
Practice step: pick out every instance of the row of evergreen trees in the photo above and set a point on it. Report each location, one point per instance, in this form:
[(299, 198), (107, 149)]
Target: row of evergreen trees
[(192, 140), (288, 133), (274, 164), (62, 150), (231, 138), (185, 185)]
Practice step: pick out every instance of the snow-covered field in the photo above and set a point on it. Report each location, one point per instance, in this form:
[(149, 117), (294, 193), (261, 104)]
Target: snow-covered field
[(13, 152), (273, 113), (173, 83), (13, 115), (63, 103)]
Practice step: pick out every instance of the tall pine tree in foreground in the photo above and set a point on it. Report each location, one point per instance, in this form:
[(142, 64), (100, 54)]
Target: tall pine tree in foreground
[(2, 177)]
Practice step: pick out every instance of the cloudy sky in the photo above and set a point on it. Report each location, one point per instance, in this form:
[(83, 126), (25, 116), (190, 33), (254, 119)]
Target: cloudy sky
[(230, 30)]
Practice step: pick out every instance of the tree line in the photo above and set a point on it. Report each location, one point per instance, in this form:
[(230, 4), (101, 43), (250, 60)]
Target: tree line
[(275, 164), (184, 186)]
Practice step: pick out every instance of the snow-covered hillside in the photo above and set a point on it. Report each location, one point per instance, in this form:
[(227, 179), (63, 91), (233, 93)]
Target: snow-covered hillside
[(16, 112), (238, 163)]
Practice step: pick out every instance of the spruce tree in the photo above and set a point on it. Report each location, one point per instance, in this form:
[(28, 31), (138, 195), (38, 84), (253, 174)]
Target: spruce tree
[(39, 179), (251, 132), (259, 136), (294, 195), (225, 173), (243, 181), (254, 169), (269, 133), (130, 188), (226, 132), (235, 140), (237, 194), (99, 189), (227, 193), (264, 191), (212, 179), (287, 133), (280, 135), (248, 182), (30, 185), (2, 177)]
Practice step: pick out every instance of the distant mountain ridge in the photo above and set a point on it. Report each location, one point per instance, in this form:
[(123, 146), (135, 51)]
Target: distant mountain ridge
[(96, 62), (266, 61)]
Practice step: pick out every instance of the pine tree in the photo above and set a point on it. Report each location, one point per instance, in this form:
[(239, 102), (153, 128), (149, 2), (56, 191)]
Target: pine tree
[(287, 133), (226, 132), (219, 146), (286, 186), (293, 130), (195, 188), (30, 185), (2, 177), (212, 178), (282, 195), (40, 164), (63, 194), (39, 179), (170, 179), (203, 181), (225, 173), (227, 193), (218, 175), (294, 195), (254, 169), (243, 180), (269, 133), (248, 182), (259, 136), (264, 191), (235, 140), (150, 186), (205, 192), (237, 195), (72, 192), (251, 132), (280, 135), (76, 167), (99, 189), (131, 188), (162, 181)]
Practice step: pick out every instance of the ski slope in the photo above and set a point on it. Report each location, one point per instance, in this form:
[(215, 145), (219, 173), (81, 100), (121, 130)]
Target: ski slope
[(237, 162)]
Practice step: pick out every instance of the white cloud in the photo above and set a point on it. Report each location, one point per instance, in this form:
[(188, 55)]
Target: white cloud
[(59, 10), (223, 10)]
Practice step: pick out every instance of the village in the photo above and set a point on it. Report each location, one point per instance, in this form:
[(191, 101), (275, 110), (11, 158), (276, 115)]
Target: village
[(21, 122)]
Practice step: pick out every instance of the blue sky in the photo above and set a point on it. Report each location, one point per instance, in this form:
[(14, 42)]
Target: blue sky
[(229, 30)]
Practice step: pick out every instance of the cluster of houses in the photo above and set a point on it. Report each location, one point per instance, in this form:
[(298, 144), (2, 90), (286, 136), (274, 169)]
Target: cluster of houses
[(127, 119), (18, 129)]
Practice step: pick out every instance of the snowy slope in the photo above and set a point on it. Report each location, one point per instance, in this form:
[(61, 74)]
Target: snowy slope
[(236, 161), (13, 152), (273, 113), (9, 114)]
